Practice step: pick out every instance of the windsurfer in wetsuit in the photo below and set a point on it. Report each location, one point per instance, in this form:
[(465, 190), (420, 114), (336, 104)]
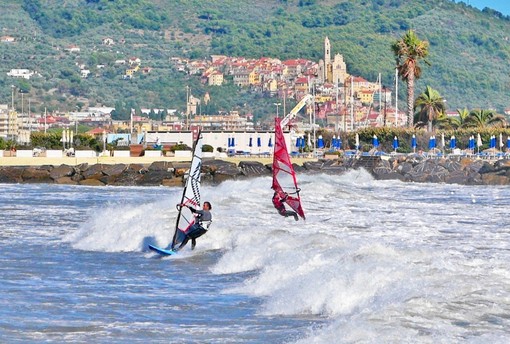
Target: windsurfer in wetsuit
[(278, 202), (202, 217)]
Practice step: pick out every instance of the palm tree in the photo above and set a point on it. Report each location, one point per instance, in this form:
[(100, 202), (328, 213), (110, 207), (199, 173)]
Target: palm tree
[(479, 118), (430, 105), (408, 51), (461, 120)]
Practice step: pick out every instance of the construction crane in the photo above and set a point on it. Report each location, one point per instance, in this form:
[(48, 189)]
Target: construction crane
[(306, 100)]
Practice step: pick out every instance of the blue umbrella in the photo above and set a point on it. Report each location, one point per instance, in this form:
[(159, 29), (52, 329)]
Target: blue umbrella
[(298, 142), (233, 142), (251, 142), (338, 143), (432, 142), (375, 141), (229, 142), (413, 142), (333, 142), (270, 143), (453, 142), (508, 142), (320, 142), (259, 142), (471, 144), (395, 143), (492, 142)]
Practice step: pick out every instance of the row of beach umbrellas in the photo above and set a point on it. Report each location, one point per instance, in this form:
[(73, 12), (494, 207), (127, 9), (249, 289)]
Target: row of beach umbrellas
[(336, 142), (232, 142), (453, 142)]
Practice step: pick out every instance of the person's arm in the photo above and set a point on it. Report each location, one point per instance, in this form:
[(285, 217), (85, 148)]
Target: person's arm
[(193, 210)]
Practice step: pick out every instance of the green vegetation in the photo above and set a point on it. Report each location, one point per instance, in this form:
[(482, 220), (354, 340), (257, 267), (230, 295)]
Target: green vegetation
[(469, 49)]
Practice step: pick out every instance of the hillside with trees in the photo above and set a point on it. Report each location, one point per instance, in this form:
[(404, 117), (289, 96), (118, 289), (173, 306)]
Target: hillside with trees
[(469, 49)]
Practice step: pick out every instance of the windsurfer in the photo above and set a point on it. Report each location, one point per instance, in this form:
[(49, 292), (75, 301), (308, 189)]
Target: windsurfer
[(203, 220), (278, 202)]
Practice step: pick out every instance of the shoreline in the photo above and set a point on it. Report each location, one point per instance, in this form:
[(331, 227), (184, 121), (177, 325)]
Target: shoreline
[(107, 160)]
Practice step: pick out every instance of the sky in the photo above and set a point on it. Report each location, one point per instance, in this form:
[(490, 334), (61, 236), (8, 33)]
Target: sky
[(502, 6)]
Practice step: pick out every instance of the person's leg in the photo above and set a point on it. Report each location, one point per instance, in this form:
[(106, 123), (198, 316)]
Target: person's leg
[(183, 243)]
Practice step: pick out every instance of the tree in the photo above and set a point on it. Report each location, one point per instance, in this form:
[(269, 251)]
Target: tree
[(479, 118), (430, 105), (409, 50)]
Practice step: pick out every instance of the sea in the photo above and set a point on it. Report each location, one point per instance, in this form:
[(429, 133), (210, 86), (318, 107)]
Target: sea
[(374, 262)]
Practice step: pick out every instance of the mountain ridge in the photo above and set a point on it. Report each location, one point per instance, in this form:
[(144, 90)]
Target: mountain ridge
[(468, 48)]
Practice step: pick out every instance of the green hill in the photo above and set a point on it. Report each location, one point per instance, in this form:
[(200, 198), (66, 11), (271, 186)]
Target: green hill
[(469, 49)]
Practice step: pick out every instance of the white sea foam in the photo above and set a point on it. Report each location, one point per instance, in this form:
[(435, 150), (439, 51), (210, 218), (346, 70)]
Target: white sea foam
[(383, 261)]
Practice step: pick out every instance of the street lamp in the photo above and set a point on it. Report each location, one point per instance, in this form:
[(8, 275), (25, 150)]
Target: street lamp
[(277, 105)]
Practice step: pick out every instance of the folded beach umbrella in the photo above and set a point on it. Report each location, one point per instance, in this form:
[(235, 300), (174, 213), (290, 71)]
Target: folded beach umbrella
[(478, 140), (270, 143), (251, 142), (395, 143), (471, 143), (453, 142), (259, 142), (413, 142), (432, 142), (442, 141), (338, 143), (492, 142), (357, 141), (320, 142), (508, 142), (375, 141), (501, 141)]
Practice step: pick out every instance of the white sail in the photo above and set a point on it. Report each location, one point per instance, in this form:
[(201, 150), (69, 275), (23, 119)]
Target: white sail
[(190, 195)]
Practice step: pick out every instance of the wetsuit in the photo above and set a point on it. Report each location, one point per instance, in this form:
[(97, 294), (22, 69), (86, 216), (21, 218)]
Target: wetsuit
[(197, 229), (278, 204)]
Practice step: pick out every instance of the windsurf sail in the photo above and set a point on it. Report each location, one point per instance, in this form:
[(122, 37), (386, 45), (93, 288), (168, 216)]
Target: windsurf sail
[(284, 177), (190, 195)]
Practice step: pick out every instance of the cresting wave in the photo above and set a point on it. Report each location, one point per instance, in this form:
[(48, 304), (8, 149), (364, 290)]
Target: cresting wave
[(382, 261)]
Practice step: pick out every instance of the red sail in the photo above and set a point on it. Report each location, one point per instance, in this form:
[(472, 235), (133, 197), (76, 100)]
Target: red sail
[(284, 177)]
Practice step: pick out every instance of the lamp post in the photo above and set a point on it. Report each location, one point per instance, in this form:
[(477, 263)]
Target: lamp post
[(277, 105)]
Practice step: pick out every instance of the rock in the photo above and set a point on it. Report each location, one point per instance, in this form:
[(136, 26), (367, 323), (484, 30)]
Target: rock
[(457, 177), (253, 168), (495, 179), (62, 171), (127, 178), (154, 178), (94, 172), (65, 180), (91, 182), (36, 175), (114, 170), (161, 166), (11, 174), (225, 171)]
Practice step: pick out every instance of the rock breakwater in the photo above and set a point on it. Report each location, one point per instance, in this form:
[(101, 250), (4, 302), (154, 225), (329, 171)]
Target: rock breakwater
[(464, 171)]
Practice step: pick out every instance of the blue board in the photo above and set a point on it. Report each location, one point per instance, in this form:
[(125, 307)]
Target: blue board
[(162, 251)]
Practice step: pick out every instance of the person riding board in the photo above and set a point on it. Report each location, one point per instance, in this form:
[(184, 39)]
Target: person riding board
[(278, 202), (203, 219)]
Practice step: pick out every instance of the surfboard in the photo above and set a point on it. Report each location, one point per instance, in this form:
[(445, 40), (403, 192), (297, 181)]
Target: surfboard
[(162, 251)]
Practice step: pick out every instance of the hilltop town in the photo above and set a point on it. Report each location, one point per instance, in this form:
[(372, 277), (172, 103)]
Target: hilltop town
[(340, 101)]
